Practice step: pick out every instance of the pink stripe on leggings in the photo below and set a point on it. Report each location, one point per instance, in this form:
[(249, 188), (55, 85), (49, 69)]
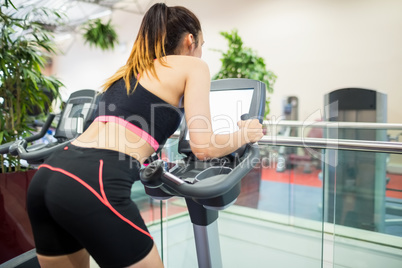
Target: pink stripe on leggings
[(102, 198)]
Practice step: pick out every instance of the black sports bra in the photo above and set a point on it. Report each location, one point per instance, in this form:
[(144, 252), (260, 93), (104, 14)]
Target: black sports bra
[(141, 112)]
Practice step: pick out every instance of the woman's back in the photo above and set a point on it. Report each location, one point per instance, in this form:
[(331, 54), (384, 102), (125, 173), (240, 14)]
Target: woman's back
[(146, 110)]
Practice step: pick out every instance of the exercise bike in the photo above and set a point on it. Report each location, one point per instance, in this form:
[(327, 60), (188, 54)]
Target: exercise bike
[(210, 186)]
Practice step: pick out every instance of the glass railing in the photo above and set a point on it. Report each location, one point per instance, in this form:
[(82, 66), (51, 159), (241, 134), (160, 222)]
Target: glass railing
[(363, 206), (311, 202)]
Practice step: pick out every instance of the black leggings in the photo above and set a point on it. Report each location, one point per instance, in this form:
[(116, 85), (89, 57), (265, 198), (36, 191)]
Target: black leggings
[(80, 198)]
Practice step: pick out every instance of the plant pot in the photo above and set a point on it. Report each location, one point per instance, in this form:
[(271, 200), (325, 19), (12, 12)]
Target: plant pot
[(15, 229)]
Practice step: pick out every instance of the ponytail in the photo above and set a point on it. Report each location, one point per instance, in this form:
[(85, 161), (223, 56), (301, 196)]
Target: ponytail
[(159, 35)]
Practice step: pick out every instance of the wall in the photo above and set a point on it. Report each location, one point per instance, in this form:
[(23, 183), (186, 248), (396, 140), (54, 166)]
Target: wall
[(313, 46)]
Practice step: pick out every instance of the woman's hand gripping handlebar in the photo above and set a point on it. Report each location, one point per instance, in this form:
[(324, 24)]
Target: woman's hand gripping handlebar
[(250, 128)]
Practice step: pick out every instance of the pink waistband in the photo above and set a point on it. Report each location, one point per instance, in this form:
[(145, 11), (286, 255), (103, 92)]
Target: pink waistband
[(144, 135)]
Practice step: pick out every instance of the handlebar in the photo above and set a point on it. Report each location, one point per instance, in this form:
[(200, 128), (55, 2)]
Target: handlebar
[(36, 155), (154, 176), (5, 148)]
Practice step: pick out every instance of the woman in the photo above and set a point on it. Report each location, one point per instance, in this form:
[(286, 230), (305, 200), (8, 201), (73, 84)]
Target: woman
[(79, 200)]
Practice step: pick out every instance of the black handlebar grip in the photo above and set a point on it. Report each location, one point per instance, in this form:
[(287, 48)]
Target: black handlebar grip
[(240, 151), (245, 116), (151, 174)]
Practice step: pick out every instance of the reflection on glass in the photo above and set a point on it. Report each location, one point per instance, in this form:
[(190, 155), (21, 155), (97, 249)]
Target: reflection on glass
[(291, 183)]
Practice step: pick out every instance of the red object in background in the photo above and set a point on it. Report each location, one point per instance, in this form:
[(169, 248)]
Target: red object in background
[(298, 177), (15, 229), (394, 186)]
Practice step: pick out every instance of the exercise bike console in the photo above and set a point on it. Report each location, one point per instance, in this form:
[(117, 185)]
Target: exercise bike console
[(75, 117)]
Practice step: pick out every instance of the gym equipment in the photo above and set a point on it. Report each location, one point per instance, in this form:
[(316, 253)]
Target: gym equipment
[(76, 116), (210, 186), (358, 184)]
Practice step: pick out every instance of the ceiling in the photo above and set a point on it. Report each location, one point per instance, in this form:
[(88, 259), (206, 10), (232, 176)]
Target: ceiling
[(74, 12)]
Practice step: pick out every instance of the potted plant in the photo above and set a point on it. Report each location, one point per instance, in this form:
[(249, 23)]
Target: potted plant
[(25, 47), (243, 62), (99, 34)]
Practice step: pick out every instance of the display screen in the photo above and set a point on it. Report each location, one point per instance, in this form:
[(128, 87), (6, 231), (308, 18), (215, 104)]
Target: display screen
[(73, 112), (227, 106)]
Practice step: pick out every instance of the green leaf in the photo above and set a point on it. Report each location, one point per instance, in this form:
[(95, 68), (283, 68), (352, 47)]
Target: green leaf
[(8, 2), (243, 62)]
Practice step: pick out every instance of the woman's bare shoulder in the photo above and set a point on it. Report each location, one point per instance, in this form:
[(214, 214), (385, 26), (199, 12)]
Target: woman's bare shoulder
[(186, 61)]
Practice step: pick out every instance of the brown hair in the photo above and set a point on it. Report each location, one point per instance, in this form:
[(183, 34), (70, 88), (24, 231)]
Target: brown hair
[(160, 33)]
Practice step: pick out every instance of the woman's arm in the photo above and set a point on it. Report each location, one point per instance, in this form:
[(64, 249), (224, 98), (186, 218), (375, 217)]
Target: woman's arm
[(204, 143)]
